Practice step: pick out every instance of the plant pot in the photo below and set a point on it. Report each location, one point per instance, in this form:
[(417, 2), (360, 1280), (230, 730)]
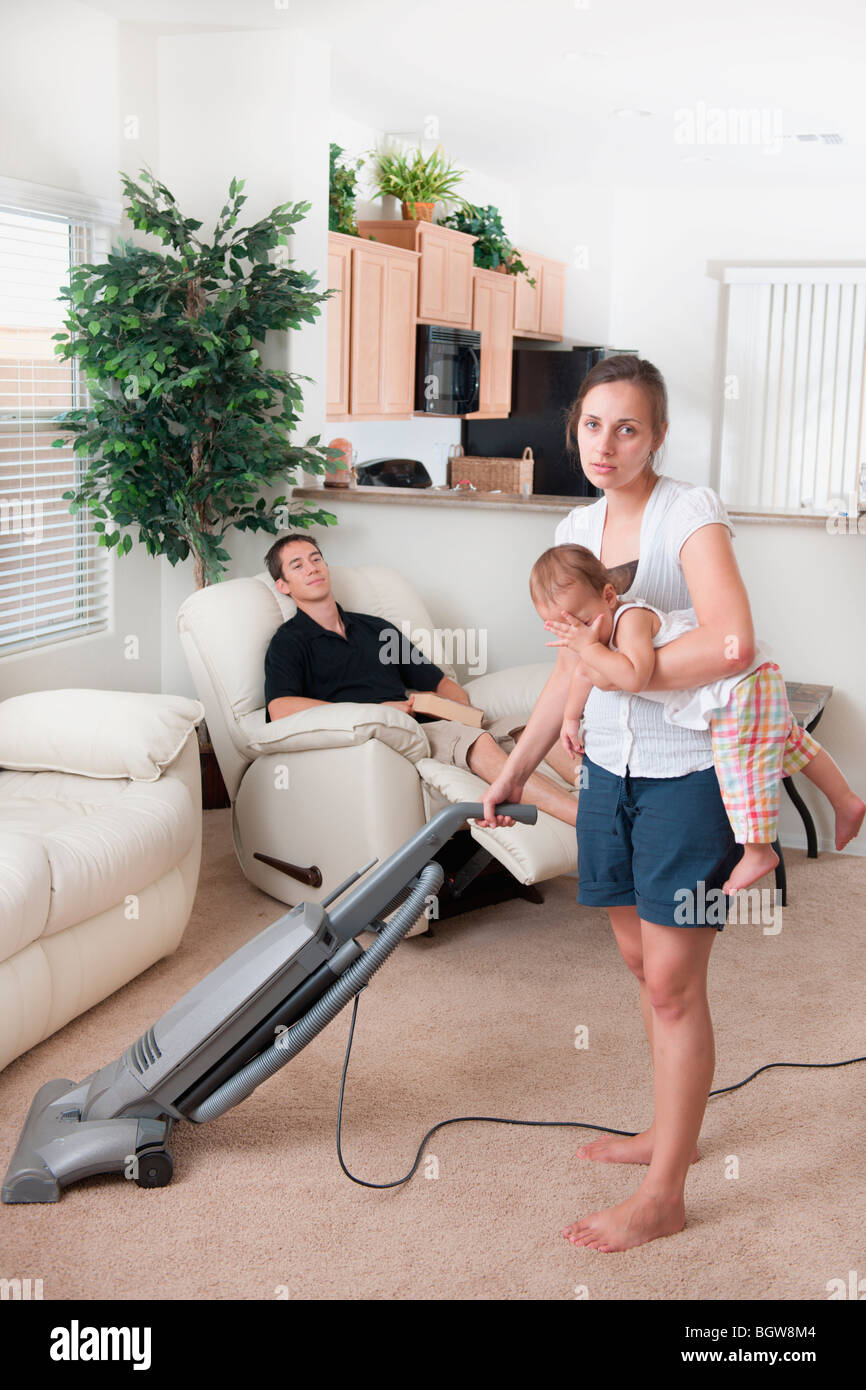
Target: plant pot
[(418, 212), (343, 477)]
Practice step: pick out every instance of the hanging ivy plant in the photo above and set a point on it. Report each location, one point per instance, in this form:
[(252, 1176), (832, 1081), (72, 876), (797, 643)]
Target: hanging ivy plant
[(492, 248), (343, 192)]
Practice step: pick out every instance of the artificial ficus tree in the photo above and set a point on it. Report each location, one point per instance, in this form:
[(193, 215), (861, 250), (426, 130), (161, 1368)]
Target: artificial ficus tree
[(186, 426)]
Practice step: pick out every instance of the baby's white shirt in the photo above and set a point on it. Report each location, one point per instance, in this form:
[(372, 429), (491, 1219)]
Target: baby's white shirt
[(693, 708)]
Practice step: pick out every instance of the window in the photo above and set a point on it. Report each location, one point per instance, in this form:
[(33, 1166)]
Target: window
[(54, 579), (792, 434)]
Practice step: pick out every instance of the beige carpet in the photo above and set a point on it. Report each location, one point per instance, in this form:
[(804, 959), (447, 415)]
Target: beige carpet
[(481, 1019)]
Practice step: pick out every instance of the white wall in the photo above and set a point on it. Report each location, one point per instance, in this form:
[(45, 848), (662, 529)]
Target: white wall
[(59, 96), (252, 105), (572, 222), (665, 302)]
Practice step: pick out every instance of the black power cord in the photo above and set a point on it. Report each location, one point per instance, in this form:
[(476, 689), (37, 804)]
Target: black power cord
[(544, 1124)]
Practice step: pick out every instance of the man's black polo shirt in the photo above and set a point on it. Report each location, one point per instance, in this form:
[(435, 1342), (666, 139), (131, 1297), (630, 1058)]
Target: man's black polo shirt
[(372, 663)]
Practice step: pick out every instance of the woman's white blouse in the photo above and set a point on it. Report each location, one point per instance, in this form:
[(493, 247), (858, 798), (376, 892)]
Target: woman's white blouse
[(624, 732)]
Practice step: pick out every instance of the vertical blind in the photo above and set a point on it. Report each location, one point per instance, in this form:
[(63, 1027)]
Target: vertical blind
[(795, 368), (54, 578)]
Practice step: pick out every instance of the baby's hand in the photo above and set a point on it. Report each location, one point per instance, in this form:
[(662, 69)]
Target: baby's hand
[(569, 737), (576, 636)]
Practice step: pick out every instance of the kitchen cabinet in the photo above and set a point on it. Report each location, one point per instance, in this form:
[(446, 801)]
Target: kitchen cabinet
[(444, 270), (539, 310), (493, 317), (338, 312), (377, 339)]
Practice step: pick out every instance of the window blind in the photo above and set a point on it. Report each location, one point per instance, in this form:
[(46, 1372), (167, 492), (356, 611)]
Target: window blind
[(794, 402), (54, 579)]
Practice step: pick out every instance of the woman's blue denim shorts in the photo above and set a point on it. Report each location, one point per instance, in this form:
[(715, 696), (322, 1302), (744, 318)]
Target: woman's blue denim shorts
[(662, 844)]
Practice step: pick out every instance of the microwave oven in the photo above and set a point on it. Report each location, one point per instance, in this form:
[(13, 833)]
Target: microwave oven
[(447, 370)]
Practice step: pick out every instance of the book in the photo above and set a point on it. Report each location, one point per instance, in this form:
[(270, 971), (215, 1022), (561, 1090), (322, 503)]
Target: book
[(427, 703)]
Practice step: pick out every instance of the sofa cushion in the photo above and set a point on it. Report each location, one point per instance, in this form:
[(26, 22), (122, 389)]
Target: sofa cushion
[(100, 842), (336, 726), (25, 891), (95, 733)]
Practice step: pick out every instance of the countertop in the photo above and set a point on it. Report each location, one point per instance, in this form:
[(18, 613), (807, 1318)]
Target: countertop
[(496, 501)]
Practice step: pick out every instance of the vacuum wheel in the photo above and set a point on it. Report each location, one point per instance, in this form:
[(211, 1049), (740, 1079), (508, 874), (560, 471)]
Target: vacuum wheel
[(155, 1168)]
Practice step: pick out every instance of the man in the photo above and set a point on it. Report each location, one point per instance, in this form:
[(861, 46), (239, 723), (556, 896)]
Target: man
[(324, 655)]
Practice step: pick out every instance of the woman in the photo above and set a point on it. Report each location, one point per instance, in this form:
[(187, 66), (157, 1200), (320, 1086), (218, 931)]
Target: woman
[(651, 821)]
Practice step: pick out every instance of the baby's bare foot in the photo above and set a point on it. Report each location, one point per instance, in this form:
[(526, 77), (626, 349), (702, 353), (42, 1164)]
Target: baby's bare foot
[(849, 818), (757, 860), (632, 1148)]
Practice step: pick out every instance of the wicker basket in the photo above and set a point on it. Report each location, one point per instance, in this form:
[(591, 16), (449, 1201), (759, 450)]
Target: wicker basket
[(491, 474)]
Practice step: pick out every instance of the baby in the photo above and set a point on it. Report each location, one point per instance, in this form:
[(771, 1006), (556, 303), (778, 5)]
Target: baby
[(755, 738)]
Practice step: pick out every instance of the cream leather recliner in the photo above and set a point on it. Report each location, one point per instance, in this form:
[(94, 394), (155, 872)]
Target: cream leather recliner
[(327, 790)]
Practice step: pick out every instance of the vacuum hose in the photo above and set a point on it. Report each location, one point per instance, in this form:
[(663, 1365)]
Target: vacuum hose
[(353, 979)]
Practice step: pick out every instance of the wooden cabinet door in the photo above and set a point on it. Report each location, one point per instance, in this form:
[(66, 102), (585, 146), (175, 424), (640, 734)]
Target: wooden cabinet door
[(369, 288), (552, 313), (493, 313), (501, 346), (527, 299), (540, 312), (398, 366), (433, 291), (458, 306), (339, 324), (445, 283), (384, 295)]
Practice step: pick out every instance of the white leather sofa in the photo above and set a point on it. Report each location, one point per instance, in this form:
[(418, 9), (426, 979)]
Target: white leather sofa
[(100, 845), (338, 785)]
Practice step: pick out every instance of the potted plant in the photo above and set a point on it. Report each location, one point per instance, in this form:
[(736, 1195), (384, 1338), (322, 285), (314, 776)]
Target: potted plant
[(419, 181), (186, 426), (492, 249), (343, 191)]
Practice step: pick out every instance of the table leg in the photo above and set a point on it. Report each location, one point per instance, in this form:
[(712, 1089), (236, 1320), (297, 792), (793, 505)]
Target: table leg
[(781, 876), (808, 823)]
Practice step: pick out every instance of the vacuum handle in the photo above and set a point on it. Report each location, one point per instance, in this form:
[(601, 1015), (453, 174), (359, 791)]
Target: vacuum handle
[(526, 815)]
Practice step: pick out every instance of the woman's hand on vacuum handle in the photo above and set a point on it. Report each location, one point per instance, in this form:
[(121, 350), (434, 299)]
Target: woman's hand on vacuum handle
[(507, 789)]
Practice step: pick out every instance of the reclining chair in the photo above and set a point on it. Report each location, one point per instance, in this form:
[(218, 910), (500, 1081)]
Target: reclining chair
[(317, 794)]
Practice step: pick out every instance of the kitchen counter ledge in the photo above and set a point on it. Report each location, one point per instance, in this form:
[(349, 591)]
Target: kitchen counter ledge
[(497, 501)]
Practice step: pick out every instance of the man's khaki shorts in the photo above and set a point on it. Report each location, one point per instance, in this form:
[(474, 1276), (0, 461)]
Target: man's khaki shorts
[(450, 740)]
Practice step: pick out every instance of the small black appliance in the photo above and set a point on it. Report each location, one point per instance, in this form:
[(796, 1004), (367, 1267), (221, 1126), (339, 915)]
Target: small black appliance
[(447, 370)]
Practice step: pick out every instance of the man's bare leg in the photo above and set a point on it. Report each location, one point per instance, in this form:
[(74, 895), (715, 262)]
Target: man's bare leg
[(486, 759)]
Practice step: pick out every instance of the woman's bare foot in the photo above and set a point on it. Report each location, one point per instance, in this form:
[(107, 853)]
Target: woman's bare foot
[(632, 1148), (643, 1217), (757, 860), (849, 818)]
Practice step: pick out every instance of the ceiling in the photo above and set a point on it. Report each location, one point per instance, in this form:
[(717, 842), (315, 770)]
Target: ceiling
[(529, 91)]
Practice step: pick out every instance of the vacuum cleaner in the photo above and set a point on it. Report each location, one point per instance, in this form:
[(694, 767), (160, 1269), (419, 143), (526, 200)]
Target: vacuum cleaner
[(234, 1029)]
